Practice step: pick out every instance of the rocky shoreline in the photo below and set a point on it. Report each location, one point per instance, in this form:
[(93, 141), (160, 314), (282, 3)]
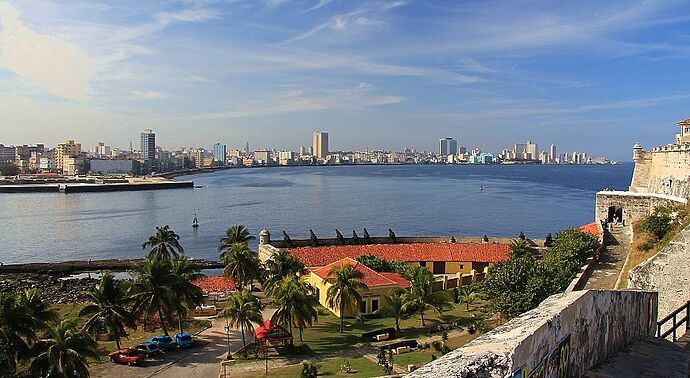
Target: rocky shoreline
[(53, 289), (70, 267)]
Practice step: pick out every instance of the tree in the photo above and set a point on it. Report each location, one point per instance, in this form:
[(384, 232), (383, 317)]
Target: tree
[(8, 169), (187, 295), (235, 234), (516, 285), (164, 243), (575, 244), (241, 264), (107, 309), (421, 297), (385, 360), (310, 369), (16, 327), (468, 294), (152, 289), (378, 264), (295, 304), (658, 223), (39, 309), (396, 307), (243, 309), (280, 265), (520, 247), (344, 282), (64, 353)]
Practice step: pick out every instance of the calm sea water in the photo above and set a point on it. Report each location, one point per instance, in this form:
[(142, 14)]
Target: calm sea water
[(412, 200)]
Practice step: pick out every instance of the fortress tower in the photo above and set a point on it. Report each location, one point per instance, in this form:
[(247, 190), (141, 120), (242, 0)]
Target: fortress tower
[(683, 137)]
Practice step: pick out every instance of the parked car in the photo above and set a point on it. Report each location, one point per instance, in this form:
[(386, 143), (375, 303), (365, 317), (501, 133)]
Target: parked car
[(184, 339), (164, 342), (148, 349), (205, 310), (129, 356)]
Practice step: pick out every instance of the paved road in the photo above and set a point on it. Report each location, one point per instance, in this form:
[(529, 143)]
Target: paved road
[(609, 266), (203, 361)]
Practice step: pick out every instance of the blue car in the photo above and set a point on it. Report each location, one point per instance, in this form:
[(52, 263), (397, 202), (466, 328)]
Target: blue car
[(164, 342), (184, 339)]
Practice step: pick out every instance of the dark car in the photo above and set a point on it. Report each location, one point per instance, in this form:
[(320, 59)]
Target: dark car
[(164, 342), (129, 356), (148, 349)]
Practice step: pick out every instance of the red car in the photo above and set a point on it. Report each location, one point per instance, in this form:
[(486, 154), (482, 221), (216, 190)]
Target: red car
[(127, 356)]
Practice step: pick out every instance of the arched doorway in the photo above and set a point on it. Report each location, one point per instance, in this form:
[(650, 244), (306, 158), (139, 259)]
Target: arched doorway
[(615, 212)]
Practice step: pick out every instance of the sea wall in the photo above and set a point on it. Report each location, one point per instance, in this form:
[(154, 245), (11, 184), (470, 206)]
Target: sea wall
[(634, 205), (667, 273), (565, 336)]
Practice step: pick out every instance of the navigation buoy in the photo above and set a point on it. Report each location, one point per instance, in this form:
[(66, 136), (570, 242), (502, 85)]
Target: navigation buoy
[(195, 223), (481, 188)]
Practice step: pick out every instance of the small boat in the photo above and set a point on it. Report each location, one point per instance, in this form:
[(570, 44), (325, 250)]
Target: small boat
[(195, 223), (481, 188)]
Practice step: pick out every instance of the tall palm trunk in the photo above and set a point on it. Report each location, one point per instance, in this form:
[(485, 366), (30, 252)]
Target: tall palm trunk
[(160, 316), (421, 314), (244, 344), (291, 340), (179, 321), (342, 316), (117, 340), (300, 333)]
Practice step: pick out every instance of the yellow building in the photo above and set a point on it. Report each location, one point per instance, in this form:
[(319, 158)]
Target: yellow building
[(373, 298), (64, 151)]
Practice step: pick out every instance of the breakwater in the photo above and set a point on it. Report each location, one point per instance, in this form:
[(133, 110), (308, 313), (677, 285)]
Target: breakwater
[(94, 187), (71, 267)]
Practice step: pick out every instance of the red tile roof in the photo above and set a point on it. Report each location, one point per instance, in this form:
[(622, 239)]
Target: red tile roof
[(371, 278), (466, 252), (215, 284), (590, 228)]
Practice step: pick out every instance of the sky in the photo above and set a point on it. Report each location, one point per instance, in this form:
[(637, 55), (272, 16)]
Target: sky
[(591, 76)]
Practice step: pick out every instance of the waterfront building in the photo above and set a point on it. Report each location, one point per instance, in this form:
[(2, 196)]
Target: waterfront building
[(101, 150), (544, 157), (73, 165), (552, 154), (320, 144), (7, 153), (63, 152), (447, 146), (110, 166), (148, 145), (220, 153), (285, 157), (262, 156)]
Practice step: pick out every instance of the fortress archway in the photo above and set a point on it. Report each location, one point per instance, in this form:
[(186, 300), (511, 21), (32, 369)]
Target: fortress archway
[(615, 212)]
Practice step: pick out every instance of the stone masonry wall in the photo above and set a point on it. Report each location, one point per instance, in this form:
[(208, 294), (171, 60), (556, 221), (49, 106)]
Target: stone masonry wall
[(643, 167), (666, 172), (635, 205), (565, 336), (667, 273)]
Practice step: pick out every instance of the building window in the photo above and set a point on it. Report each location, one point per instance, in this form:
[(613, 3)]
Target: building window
[(422, 263), (374, 305), (439, 267), (462, 266), (363, 307)]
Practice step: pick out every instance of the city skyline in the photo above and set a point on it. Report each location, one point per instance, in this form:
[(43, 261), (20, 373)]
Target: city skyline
[(374, 73)]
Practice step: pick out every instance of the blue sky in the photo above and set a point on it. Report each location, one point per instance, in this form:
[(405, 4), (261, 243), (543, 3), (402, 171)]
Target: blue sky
[(589, 75)]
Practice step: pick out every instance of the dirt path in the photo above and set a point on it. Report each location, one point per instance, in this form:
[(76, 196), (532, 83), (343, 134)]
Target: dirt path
[(609, 267)]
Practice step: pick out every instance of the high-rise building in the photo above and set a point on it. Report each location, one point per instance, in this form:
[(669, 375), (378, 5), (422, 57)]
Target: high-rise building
[(320, 144), (531, 151), (64, 151), (148, 144), (447, 146), (220, 152), (6, 153), (552, 154), (263, 156)]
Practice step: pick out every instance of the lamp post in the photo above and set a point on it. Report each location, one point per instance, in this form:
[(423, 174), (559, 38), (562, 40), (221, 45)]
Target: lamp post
[(227, 333)]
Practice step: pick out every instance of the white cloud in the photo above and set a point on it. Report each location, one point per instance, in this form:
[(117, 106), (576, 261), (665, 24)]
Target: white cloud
[(148, 95), (54, 65)]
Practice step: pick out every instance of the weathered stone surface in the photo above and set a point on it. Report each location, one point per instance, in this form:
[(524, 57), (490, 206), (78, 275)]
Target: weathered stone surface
[(668, 272), (635, 205), (585, 327), (53, 289)]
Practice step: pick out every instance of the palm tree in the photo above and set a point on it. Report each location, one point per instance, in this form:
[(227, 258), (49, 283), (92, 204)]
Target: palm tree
[(421, 298), (280, 265), (64, 353), (164, 244), (39, 309), (235, 234), (241, 264), (153, 289), (187, 294), (395, 308), (468, 294), (295, 303), (243, 309), (108, 309), (16, 326), (345, 280)]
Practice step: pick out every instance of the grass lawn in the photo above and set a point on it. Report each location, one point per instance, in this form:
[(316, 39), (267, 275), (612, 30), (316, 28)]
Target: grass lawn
[(422, 357), (361, 367), (135, 335)]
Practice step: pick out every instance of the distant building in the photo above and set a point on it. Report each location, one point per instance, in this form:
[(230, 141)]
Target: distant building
[(525, 151), (101, 150), (63, 152), (447, 146), (148, 145), (220, 152), (262, 156), (320, 144), (108, 166), (6, 154), (198, 155), (544, 157), (285, 157), (552, 154)]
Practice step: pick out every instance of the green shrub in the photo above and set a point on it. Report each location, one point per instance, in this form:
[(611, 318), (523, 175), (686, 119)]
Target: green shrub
[(657, 224), (310, 369)]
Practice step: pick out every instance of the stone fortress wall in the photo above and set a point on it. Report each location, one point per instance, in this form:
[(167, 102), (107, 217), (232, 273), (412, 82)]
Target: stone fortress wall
[(563, 337)]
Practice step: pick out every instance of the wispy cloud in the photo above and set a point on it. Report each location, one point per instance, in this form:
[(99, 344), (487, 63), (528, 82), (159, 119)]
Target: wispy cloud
[(319, 4), (54, 65)]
